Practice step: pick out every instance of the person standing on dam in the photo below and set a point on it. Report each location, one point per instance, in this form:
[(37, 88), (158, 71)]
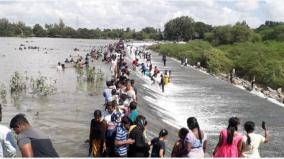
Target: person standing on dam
[(164, 59)]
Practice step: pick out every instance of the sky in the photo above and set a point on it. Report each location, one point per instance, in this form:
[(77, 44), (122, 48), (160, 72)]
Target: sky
[(138, 14)]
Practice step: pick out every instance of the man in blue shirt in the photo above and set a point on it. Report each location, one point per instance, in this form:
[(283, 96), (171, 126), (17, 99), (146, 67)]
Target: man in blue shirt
[(121, 139), (143, 67)]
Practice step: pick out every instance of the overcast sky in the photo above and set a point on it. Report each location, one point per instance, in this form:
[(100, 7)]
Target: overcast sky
[(138, 14)]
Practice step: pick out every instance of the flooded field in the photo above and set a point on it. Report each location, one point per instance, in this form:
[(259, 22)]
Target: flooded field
[(65, 116)]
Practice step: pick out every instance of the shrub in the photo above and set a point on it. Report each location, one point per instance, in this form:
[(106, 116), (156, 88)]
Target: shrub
[(264, 60), (17, 83), (197, 51)]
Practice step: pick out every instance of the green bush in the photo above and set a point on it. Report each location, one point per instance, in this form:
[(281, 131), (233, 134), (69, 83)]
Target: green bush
[(264, 60), (17, 83), (197, 51), (218, 62)]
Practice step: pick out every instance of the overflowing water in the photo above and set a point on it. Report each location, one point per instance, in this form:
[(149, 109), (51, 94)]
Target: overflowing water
[(212, 102)]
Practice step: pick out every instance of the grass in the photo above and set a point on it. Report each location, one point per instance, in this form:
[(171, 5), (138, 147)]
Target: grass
[(264, 60)]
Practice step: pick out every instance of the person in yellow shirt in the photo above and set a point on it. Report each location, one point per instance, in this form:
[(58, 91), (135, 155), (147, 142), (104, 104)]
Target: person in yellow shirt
[(166, 78)]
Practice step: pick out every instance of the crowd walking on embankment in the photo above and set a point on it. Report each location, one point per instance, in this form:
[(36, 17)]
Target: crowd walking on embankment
[(120, 130)]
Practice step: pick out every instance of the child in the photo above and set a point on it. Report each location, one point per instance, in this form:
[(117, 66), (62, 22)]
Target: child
[(179, 147), (159, 146)]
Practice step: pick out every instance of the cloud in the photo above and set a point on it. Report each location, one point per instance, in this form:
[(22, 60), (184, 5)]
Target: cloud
[(137, 14), (275, 9), (247, 5)]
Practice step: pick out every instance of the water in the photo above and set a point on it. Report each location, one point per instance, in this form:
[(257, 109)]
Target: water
[(212, 102), (66, 116)]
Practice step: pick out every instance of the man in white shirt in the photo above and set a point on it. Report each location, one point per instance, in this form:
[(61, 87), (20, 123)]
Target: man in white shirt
[(8, 144), (59, 67), (130, 91)]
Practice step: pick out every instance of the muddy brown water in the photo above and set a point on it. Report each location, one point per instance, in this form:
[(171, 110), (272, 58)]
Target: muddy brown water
[(66, 116)]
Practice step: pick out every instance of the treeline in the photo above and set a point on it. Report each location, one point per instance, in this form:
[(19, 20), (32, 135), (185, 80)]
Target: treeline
[(8, 29), (179, 29), (185, 28)]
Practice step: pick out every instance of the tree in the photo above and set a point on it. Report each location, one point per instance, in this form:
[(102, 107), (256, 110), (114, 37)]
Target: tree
[(128, 29), (83, 33), (181, 28), (5, 29), (39, 31), (200, 29), (140, 36), (97, 33), (25, 30), (69, 32), (149, 30), (222, 35), (152, 33), (228, 34), (61, 24), (209, 36), (241, 32)]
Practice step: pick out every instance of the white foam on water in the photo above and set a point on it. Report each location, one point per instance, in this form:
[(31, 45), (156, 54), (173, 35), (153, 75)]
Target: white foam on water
[(275, 102), (257, 93), (139, 44), (172, 123), (261, 95), (175, 105), (240, 87), (176, 109)]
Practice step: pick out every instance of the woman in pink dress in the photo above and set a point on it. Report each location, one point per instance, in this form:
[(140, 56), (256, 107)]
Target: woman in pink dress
[(230, 140)]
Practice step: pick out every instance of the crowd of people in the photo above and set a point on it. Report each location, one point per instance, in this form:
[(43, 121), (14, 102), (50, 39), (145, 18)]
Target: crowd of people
[(120, 130), (143, 61), (119, 135)]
